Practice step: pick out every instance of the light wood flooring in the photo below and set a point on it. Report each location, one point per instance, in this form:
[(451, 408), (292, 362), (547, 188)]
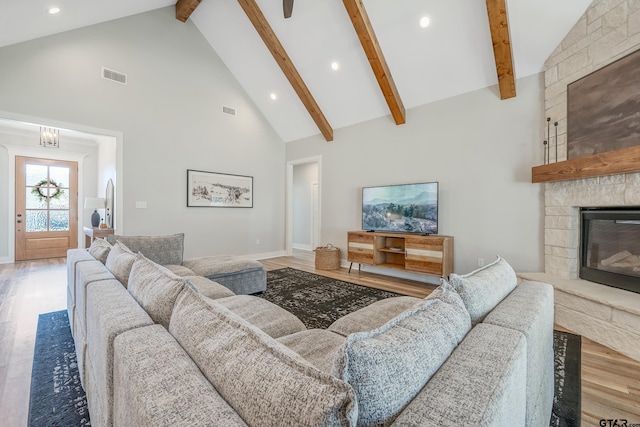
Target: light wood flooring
[(610, 381)]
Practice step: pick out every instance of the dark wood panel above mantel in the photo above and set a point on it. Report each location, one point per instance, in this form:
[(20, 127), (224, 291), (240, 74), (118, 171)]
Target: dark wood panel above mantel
[(625, 160)]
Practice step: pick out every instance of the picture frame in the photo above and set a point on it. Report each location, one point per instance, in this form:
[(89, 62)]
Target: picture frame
[(218, 190)]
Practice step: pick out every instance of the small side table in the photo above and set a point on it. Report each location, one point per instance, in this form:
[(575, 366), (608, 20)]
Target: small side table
[(95, 233)]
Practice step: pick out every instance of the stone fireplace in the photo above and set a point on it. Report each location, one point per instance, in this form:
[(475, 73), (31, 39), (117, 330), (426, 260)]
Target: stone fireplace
[(606, 32), (605, 314)]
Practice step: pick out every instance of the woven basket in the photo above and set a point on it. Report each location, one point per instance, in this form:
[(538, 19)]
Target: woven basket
[(327, 257)]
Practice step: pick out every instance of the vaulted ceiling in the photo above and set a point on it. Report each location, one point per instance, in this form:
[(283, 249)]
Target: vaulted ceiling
[(387, 63)]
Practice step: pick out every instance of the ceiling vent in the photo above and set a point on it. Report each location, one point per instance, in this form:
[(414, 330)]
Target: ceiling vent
[(228, 110), (114, 76)]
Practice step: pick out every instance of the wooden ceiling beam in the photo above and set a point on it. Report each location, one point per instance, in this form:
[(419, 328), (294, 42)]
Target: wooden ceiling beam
[(184, 9), (269, 38), (499, 26), (364, 29)]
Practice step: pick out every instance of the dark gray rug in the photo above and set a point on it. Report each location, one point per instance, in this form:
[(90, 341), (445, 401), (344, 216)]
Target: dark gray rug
[(57, 398)]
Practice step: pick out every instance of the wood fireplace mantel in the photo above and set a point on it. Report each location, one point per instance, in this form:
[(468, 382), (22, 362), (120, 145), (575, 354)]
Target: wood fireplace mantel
[(625, 160)]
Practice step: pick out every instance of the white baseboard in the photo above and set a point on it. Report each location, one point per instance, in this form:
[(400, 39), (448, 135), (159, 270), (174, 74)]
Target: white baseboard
[(302, 247), (5, 260), (264, 255)]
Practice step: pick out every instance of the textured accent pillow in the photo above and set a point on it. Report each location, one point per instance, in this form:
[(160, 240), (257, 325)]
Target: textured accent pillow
[(388, 366), (100, 249), (162, 250), (482, 289), (119, 262), (264, 381), (155, 288)]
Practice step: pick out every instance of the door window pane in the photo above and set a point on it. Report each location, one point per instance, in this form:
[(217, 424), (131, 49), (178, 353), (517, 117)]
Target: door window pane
[(35, 174), (58, 198), (33, 200), (36, 220), (59, 175), (59, 220)]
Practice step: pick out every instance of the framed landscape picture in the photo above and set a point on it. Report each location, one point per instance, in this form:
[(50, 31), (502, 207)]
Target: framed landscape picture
[(220, 190)]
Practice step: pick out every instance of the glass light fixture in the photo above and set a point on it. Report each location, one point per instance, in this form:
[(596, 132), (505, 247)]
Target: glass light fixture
[(425, 21), (49, 137)]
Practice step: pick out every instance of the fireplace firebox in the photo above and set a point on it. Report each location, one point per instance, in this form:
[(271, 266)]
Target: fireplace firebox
[(610, 247)]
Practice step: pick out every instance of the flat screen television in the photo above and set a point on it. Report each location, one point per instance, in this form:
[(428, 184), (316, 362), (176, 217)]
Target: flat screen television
[(405, 208)]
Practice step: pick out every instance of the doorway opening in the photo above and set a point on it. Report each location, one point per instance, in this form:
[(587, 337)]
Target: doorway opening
[(303, 198)]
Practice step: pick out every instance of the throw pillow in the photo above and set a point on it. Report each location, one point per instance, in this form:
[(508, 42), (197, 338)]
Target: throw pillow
[(119, 262), (388, 366), (155, 288), (100, 249), (265, 382), (162, 250), (482, 289)]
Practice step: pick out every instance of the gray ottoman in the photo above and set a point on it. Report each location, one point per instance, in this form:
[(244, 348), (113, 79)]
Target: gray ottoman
[(242, 276)]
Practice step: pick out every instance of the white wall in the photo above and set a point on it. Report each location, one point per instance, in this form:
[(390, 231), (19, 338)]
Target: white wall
[(170, 114), (479, 148), (303, 176)]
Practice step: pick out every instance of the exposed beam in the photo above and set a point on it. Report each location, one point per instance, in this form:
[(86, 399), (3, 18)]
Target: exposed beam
[(499, 26), (265, 31), (184, 9), (364, 29)]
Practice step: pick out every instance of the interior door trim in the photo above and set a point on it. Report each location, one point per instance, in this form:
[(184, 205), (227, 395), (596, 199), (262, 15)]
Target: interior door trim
[(19, 150)]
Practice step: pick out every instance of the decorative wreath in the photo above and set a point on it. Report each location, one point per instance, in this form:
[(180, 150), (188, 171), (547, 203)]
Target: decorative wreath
[(37, 190)]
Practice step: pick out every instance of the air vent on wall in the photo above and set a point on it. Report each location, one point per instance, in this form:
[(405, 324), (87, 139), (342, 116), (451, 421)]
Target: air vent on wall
[(228, 110), (114, 76)]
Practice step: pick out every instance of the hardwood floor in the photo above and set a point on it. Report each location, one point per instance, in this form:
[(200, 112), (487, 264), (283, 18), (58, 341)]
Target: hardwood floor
[(610, 381)]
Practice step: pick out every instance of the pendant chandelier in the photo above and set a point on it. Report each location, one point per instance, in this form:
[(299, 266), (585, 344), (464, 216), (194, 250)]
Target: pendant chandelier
[(49, 137)]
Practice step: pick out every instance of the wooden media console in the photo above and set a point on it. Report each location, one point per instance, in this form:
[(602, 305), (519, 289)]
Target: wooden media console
[(432, 254)]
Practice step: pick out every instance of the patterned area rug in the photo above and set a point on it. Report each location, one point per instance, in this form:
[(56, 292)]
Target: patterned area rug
[(566, 400), (57, 398), (317, 300)]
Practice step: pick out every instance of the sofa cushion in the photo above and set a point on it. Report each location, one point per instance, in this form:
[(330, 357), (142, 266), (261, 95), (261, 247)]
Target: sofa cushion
[(242, 276), (119, 262), (264, 381), (269, 318), (179, 270), (111, 312), (389, 365), (208, 288), (100, 249), (318, 346), (529, 310), (482, 289), (155, 288), (373, 316), (482, 383), (168, 249), (157, 384)]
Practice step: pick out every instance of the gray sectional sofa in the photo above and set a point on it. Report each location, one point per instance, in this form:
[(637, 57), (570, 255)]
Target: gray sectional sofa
[(158, 347)]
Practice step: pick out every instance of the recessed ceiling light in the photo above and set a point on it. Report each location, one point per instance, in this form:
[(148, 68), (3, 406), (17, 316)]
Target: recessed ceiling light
[(425, 21), (335, 66), (273, 96), (53, 10)]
